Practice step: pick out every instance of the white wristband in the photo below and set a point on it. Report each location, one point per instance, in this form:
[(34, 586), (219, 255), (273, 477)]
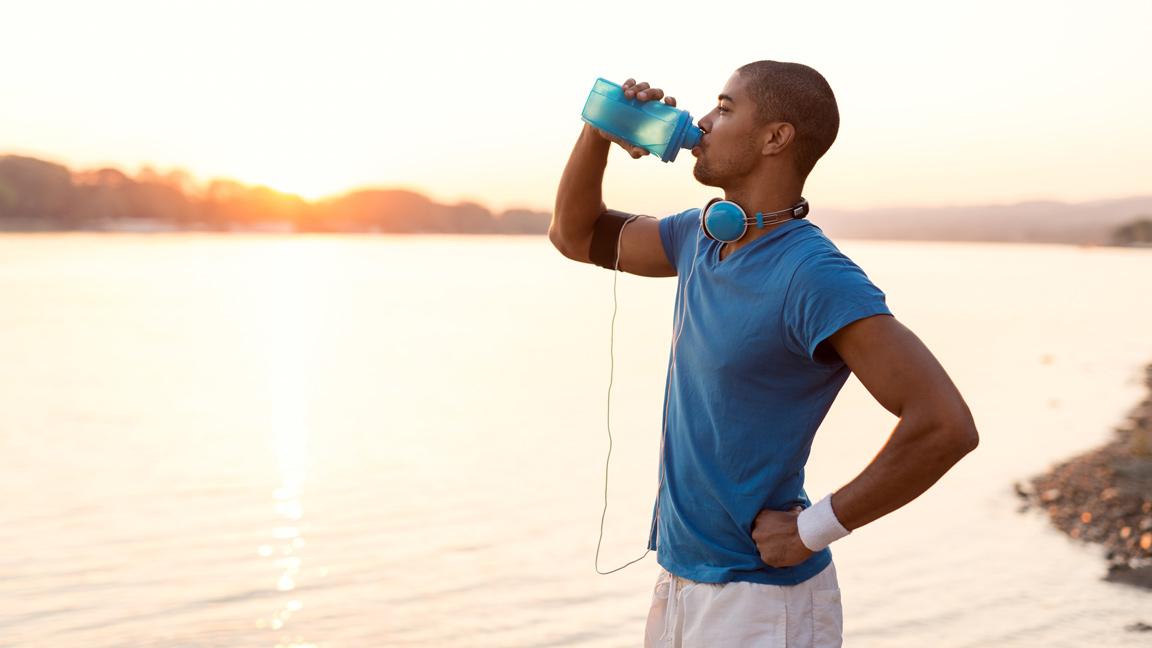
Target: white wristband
[(818, 525)]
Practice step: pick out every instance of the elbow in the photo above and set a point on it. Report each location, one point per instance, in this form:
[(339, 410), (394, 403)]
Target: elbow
[(556, 238), (571, 246), (967, 438), (563, 245), (948, 437), (960, 434)]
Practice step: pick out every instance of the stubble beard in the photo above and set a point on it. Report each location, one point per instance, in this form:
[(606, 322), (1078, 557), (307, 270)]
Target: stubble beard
[(716, 172), (704, 174)]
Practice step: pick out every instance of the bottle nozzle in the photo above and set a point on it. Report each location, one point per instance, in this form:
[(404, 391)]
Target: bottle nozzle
[(692, 135)]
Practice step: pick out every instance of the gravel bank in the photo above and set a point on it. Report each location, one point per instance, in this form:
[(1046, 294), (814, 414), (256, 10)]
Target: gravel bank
[(1105, 496)]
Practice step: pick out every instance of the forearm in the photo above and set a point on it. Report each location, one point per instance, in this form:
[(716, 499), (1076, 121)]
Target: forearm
[(579, 198), (917, 455)]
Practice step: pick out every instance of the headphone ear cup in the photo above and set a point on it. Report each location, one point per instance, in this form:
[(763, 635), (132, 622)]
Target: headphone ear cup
[(704, 218), (723, 220)]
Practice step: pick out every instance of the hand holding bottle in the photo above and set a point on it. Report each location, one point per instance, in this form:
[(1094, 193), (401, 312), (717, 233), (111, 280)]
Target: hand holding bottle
[(643, 92)]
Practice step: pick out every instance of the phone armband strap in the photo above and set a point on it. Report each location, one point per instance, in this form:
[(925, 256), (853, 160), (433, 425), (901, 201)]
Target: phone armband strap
[(606, 238)]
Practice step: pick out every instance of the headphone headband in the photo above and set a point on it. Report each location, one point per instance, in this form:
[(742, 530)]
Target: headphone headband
[(799, 210)]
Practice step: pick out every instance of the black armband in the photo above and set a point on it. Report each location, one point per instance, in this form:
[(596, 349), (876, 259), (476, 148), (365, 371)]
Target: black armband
[(606, 237)]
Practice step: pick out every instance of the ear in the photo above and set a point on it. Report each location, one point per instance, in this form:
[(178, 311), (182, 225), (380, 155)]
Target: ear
[(777, 137)]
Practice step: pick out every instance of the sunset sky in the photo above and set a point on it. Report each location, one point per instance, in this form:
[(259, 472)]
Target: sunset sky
[(981, 102)]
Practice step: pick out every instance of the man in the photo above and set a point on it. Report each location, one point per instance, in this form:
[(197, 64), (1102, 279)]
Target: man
[(766, 331)]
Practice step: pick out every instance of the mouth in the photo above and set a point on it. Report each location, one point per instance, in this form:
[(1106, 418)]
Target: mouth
[(697, 150)]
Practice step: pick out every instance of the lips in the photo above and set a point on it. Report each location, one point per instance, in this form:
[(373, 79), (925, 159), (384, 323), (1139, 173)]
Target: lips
[(698, 150)]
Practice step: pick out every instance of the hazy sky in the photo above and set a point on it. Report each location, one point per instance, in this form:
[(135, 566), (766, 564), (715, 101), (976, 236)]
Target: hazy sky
[(980, 102)]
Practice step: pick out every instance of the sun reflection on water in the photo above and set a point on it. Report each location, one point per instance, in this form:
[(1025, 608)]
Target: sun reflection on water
[(285, 290)]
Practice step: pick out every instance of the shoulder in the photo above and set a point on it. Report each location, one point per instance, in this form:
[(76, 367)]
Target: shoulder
[(690, 215), (827, 291), (816, 260), (676, 230), (827, 286)]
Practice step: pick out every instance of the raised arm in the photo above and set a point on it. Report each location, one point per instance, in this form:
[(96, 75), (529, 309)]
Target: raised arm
[(580, 204)]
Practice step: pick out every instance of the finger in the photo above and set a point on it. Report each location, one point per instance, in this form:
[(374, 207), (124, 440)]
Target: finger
[(636, 89), (652, 94), (671, 101)]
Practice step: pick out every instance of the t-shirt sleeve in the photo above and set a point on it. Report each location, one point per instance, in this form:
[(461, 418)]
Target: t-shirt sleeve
[(827, 292), (676, 231)]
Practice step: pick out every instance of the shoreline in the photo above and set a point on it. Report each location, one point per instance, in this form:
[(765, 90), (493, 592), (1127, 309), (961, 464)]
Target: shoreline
[(1104, 496)]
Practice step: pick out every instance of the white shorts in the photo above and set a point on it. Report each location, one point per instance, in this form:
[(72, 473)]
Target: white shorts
[(688, 614)]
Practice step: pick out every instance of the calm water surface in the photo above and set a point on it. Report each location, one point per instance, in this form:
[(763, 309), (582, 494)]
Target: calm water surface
[(373, 441)]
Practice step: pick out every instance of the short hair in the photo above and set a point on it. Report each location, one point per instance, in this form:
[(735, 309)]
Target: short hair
[(799, 95)]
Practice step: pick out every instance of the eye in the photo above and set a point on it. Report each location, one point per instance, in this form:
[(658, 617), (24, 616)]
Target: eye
[(721, 109)]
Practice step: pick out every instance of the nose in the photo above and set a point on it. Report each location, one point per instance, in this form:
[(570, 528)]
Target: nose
[(705, 123)]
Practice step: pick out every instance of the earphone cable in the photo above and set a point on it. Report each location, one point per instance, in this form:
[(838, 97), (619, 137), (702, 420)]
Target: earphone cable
[(677, 330), (611, 375)]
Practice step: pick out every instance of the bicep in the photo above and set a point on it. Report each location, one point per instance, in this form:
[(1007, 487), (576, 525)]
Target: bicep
[(897, 368), (641, 250)]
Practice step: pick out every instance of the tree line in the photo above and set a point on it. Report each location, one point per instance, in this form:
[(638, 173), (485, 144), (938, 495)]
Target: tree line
[(1138, 232), (40, 195)]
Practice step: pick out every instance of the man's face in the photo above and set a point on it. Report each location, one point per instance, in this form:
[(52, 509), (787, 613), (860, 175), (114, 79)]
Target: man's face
[(730, 148)]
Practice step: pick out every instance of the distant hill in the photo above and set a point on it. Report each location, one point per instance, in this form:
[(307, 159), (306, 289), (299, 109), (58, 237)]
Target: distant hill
[(401, 211), (36, 195), (1089, 223)]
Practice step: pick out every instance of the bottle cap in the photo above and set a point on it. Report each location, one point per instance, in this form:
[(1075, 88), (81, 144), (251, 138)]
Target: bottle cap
[(692, 135)]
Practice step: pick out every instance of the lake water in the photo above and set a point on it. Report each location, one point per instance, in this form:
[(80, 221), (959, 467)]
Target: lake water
[(399, 441)]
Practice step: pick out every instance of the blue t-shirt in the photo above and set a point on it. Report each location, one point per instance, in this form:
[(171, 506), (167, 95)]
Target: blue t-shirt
[(750, 386)]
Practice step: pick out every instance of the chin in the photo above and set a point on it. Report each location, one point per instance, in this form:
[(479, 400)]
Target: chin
[(703, 176)]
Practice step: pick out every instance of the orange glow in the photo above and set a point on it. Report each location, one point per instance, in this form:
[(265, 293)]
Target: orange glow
[(372, 94)]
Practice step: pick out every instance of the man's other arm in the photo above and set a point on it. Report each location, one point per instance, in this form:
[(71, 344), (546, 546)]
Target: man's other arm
[(579, 203), (935, 429)]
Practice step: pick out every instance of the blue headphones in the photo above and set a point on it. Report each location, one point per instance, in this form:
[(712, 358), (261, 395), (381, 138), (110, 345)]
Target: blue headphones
[(725, 221)]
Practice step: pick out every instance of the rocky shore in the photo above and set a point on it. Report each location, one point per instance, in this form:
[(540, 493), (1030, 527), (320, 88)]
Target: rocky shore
[(1105, 496)]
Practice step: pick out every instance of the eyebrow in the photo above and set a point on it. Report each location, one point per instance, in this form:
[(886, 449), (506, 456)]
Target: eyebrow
[(724, 97)]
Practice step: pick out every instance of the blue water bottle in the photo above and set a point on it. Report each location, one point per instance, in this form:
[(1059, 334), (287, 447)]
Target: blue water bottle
[(652, 125)]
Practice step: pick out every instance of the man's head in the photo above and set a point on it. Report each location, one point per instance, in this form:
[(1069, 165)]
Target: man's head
[(771, 117)]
